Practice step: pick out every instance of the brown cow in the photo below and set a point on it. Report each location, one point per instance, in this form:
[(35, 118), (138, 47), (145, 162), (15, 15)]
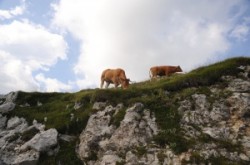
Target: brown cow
[(163, 71), (116, 77)]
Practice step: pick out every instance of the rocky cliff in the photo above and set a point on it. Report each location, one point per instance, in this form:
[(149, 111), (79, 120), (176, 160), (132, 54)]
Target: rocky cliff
[(179, 120)]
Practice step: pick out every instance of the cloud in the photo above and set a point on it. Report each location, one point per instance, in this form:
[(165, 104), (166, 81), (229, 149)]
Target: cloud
[(15, 75), (241, 31), (8, 14), (52, 84), (137, 34), (26, 48)]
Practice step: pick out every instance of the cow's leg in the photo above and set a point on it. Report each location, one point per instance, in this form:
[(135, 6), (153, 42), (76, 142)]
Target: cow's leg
[(153, 77), (116, 85), (102, 82), (107, 84), (150, 75)]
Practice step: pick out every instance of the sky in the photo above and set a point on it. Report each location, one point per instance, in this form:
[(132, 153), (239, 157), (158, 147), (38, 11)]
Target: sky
[(64, 45)]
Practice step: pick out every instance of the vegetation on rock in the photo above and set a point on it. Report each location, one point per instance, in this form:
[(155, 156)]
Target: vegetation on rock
[(162, 97)]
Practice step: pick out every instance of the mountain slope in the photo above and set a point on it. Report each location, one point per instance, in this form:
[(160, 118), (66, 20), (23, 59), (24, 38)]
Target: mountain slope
[(198, 117)]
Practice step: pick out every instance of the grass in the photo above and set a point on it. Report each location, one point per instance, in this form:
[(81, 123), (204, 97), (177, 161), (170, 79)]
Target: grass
[(65, 156), (161, 97), (197, 159), (118, 117)]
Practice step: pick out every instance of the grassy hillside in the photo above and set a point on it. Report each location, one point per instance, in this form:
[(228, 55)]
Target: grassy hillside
[(59, 107)]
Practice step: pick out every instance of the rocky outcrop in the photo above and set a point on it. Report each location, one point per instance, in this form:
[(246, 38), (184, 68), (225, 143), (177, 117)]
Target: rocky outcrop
[(214, 119), (8, 103), (217, 121), (223, 117), (19, 148), (104, 143)]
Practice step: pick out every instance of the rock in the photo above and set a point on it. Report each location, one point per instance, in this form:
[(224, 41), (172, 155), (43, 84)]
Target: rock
[(11, 97), (201, 102), (16, 123), (244, 157), (67, 138), (42, 141), (7, 107), (97, 128), (239, 85), (30, 158), (39, 103), (10, 141), (129, 133), (110, 159), (99, 105), (77, 105), (25, 105), (38, 126), (3, 120), (137, 127), (131, 158)]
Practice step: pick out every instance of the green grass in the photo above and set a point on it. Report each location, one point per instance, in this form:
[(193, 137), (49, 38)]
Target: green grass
[(118, 117), (58, 107), (65, 156)]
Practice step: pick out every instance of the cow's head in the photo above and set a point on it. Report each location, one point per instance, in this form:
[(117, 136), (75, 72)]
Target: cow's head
[(125, 83), (178, 69)]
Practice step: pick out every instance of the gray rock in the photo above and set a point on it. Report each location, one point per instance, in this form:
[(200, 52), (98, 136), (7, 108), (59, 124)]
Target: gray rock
[(67, 138), (110, 159), (17, 124), (97, 128), (7, 107), (42, 141), (30, 158), (99, 105), (239, 85), (244, 157), (137, 127), (11, 97), (3, 120), (78, 105), (10, 142)]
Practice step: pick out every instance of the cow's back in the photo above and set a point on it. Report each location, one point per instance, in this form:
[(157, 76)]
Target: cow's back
[(154, 71), (110, 74), (172, 69), (164, 70), (105, 73), (120, 73)]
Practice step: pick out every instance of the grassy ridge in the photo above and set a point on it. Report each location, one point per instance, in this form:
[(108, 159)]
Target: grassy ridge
[(161, 97)]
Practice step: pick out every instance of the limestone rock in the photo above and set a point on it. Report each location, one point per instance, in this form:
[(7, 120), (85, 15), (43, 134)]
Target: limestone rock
[(10, 141), (7, 107), (108, 142), (99, 105), (3, 120), (42, 141)]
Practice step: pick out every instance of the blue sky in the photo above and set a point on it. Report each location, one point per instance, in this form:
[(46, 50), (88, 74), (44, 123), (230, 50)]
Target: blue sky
[(63, 45)]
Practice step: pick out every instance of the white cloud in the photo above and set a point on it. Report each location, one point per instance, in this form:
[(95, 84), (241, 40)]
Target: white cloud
[(8, 14), (15, 75), (52, 84), (32, 44), (25, 48), (241, 31), (137, 34)]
